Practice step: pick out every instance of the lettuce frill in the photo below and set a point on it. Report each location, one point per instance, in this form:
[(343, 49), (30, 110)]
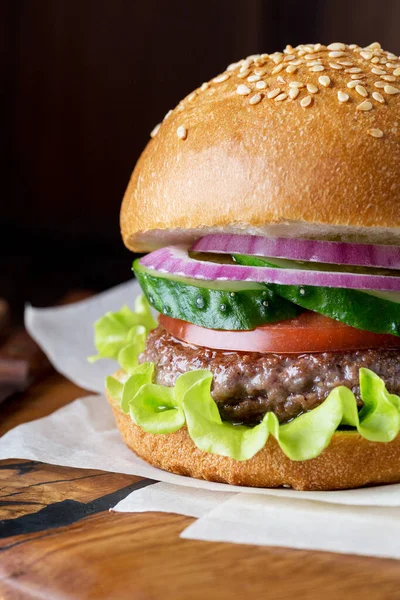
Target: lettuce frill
[(160, 410)]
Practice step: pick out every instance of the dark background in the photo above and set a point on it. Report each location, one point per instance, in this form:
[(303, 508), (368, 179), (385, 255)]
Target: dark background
[(83, 82)]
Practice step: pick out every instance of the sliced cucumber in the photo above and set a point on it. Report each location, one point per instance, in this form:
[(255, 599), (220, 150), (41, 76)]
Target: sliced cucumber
[(371, 311), (211, 304)]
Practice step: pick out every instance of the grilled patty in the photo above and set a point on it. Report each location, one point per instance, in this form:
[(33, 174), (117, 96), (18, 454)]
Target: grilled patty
[(246, 385)]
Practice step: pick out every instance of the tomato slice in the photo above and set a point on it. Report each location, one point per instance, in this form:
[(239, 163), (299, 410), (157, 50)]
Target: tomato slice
[(309, 332)]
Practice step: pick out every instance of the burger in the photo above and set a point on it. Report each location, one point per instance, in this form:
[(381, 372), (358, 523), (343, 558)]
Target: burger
[(267, 207)]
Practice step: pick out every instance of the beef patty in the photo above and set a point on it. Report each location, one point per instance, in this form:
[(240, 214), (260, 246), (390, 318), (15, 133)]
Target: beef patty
[(246, 385)]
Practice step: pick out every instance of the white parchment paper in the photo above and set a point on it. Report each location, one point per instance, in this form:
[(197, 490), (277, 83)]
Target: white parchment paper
[(310, 525)]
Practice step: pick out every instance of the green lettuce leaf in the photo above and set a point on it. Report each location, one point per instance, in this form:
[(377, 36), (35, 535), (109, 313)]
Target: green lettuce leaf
[(141, 376), (379, 417), (114, 388), (116, 330), (159, 409), (211, 434)]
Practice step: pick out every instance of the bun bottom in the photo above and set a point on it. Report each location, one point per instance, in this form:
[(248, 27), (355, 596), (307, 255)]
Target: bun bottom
[(348, 462)]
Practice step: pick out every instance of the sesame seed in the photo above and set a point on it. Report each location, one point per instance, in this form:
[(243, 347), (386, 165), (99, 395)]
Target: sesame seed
[(388, 77), (359, 76), (232, 66), (277, 58), (335, 66), (291, 69), (364, 106), (274, 93), (374, 46), (312, 63), (259, 72), (155, 130), (204, 86), (296, 84), (294, 92), (246, 64), (260, 85), (324, 80), (352, 84), (366, 55), (336, 46), (353, 70), (312, 88), (342, 96), (378, 71), (253, 78), (255, 99), (289, 57), (306, 101), (221, 78), (360, 89), (295, 63), (396, 72), (243, 90), (309, 57), (376, 133), (379, 84), (336, 54), (280, 79), (167, 114), (277, 69), (317, 68), (378, 97), (391, 65), (317, 47), (281, 97), (375, 60), (243, 74), (191, 96), (389, 89), (181, 132), (345, 63)]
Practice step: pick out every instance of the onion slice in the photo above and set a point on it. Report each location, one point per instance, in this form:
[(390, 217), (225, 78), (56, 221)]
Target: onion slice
[(336, 253), (175, 260)]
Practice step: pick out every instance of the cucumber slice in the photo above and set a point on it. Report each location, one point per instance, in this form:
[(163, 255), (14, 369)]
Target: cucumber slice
[(372, 311), (215, 305)]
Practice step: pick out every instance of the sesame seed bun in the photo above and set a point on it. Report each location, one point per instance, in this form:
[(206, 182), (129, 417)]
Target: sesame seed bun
[(299, 143), (350, 461)]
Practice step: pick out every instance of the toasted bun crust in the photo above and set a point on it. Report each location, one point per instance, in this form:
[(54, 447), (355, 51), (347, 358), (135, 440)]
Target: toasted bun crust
[(236, 156), (350, 461)]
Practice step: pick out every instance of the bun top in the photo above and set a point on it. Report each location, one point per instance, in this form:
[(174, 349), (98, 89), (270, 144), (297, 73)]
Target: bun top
[(304, 142)]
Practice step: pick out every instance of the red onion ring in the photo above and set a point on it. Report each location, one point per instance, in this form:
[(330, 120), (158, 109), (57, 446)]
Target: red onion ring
[(174, 260), (336, 253)]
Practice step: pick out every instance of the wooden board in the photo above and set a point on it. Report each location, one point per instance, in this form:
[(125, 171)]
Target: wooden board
[(59, 541)]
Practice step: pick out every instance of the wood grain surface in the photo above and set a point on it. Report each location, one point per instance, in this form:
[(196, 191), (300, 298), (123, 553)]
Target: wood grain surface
[(59, 541)]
